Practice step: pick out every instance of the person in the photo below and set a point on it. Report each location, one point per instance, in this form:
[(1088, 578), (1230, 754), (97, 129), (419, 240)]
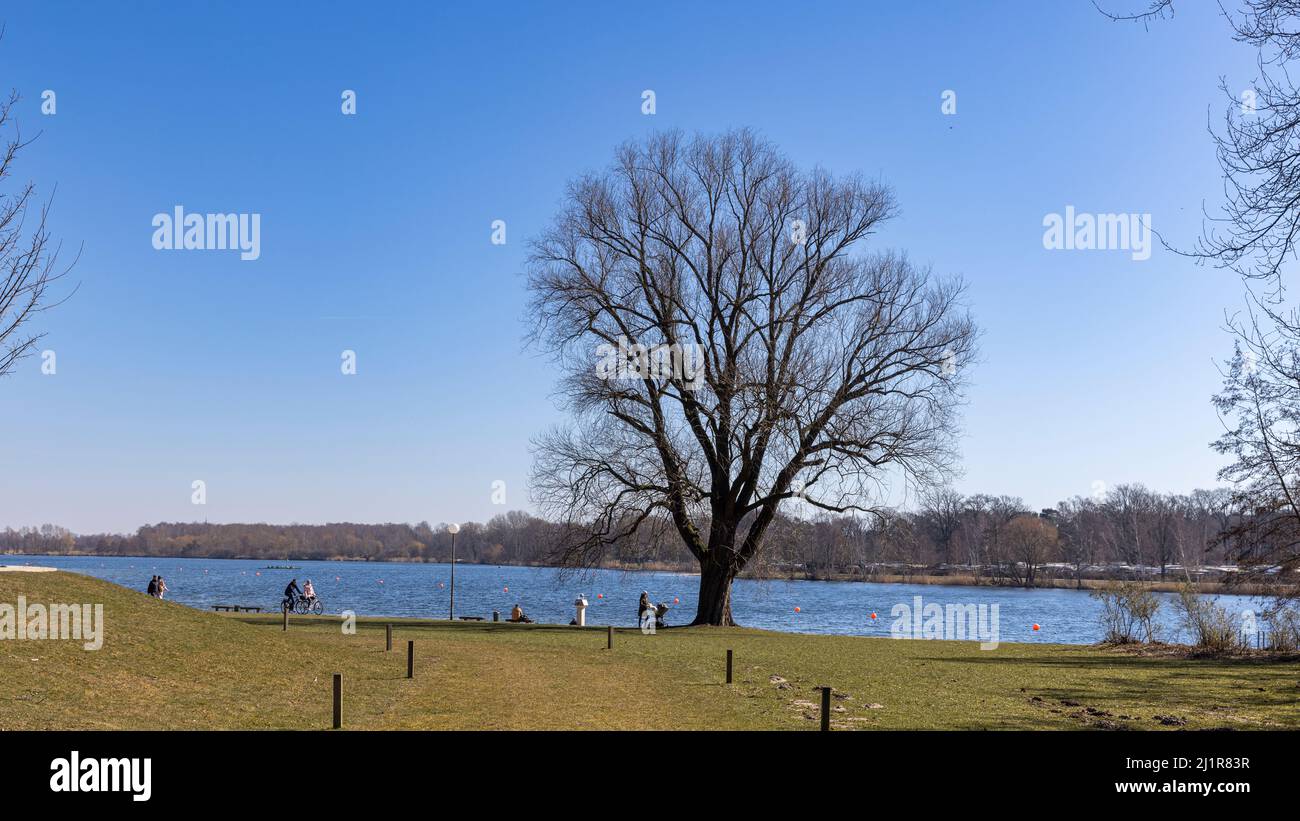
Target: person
[(308, 592), (291, 594), (642, 608), (517, 616), (153, 586), (162, 587)]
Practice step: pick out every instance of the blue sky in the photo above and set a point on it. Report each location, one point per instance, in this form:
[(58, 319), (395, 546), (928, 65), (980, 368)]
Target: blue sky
[(375, 233)]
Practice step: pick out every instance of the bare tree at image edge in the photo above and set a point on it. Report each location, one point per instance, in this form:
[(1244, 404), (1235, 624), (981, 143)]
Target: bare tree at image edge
[(821, 373), (27, 260)]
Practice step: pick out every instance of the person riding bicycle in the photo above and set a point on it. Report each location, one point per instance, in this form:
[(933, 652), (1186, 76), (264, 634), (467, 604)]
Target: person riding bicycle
[(309, 592), (291, 594)]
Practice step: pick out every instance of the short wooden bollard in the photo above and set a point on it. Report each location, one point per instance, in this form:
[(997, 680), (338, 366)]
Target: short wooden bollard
[(728, 666), (338, 700), (410, 659), (285, 610), (609, 638), (826, 709), (388, 637)]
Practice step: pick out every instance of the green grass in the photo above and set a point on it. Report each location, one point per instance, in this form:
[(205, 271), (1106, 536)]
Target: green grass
[(167, 666)]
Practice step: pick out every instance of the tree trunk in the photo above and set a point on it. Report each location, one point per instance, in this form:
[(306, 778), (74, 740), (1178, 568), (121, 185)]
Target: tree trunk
[(715, 596)]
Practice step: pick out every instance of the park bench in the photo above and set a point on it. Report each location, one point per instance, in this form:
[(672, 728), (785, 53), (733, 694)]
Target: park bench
[(471, 618), (247, 608)]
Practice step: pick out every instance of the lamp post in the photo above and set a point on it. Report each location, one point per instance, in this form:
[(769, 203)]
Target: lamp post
[(453, 529)]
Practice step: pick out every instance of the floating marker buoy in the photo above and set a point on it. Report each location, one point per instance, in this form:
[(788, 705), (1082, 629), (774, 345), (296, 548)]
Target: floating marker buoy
[(600, 595), (796, 610), (873, 616), (1035, 627), (506, 589), (676, 600), (336, 578)]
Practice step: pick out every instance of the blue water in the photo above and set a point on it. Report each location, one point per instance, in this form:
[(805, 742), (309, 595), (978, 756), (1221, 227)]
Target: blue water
[(546, 595)]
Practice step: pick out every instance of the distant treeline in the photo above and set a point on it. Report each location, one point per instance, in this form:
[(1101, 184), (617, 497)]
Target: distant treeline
[(996, 537)]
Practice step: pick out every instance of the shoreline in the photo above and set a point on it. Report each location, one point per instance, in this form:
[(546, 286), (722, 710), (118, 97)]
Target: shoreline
[(1168, 585)]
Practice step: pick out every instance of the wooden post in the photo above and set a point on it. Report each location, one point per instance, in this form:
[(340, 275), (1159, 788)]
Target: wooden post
[(285, 610), (338, 700), (728, 666), (826, 709), (609, 639), (388, 637), (410, 659)]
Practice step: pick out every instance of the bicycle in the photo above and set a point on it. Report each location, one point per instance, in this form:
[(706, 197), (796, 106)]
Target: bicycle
[(303, 606)]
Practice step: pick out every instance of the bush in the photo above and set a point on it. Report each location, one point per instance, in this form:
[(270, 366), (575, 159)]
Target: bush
[(1212, 627), (1284, 621), (1128, 613)]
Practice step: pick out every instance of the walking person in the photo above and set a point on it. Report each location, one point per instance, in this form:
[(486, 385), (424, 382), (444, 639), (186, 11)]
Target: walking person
[(153, 586), (162, 587)]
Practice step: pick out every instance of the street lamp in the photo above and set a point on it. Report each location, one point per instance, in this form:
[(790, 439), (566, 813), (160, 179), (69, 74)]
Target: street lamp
[(453, 529)]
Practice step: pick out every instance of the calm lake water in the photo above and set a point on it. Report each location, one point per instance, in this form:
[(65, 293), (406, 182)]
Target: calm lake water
[(546, 595)]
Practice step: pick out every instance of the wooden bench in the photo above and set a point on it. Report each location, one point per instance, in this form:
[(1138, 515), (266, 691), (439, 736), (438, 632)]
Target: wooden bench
[(470, 618), (247, 608)]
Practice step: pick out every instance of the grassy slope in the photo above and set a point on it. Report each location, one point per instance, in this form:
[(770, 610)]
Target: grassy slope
[(167, 666)]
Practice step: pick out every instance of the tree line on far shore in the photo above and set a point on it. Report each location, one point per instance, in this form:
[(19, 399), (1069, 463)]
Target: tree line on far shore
[(995, 538)]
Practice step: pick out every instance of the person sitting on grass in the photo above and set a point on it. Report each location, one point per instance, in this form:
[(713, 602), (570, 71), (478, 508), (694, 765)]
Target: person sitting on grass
[(517, 616), (291, 594)]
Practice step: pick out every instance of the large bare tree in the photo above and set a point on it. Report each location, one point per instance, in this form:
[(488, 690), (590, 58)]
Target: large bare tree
[(726, 350), (27, 259)]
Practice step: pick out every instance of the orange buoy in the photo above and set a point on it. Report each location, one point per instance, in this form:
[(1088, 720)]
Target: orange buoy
[(796, 610), (600, 595), (676, 600), (1035, 627), (873, 616)]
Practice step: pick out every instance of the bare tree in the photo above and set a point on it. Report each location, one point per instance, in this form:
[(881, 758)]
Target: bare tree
[(942, 509), (726, 352), (1027, 543), (1081, 526), (27, 260), (1257, 231), (1260, 403)]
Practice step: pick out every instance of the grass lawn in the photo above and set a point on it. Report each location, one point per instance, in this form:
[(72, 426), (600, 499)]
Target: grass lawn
[(163, 665)]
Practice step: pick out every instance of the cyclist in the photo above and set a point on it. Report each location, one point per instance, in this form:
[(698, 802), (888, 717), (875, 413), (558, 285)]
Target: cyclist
[(309, 592), (291, 594)]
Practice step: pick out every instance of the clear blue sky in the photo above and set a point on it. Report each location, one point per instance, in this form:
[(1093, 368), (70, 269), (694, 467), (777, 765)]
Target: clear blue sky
[(176, 366)]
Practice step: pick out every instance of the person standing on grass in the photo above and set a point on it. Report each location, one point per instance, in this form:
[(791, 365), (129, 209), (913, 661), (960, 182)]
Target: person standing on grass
[(643, 607), (153, 586), (162, 587)]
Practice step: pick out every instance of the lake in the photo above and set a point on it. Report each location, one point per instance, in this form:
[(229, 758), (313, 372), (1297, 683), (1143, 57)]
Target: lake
[(546, 595)]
